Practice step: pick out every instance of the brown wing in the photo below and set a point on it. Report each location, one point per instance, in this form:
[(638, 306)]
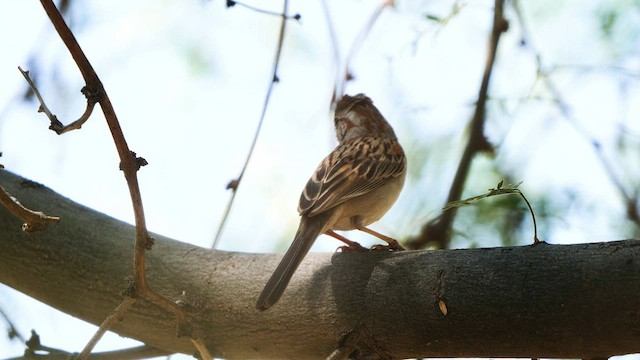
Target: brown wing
[(352, 169)]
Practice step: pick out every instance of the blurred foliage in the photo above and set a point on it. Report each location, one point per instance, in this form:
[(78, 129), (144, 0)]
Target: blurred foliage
[(619, 23)]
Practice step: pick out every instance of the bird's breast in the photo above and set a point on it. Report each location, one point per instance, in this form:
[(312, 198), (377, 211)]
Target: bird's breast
[(370, 207)]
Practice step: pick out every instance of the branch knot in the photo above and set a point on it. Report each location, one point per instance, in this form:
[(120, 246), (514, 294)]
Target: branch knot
[(93, 95)]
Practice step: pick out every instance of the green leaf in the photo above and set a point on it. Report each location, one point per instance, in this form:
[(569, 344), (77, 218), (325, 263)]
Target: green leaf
[(433, 17)]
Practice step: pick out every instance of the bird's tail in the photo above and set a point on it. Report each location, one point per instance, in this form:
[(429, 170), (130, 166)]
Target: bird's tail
[(307, 233)]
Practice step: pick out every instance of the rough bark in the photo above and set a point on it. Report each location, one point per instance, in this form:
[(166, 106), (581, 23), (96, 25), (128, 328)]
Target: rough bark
[(572, 301)]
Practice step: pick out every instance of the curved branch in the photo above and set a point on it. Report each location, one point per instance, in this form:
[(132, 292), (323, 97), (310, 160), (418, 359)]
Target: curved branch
[(33, 220), (235, 183), (531, 301), (56, 125), (346, 75), (129, 163)]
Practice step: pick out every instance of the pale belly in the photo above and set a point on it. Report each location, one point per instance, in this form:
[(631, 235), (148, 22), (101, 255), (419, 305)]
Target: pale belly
[(369, 208)]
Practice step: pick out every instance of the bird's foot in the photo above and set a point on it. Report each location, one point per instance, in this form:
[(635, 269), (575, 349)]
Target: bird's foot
[(391, 246), (352, 247)]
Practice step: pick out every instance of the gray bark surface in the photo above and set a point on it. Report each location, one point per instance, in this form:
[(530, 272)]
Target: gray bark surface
[(560, 301)]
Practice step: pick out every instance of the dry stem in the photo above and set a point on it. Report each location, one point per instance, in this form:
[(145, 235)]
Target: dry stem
[(234, 184), (126, 303), (33, 220), (129, 164), (438, 231)]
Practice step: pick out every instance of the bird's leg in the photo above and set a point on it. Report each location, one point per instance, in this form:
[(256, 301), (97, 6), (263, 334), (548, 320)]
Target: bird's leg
[(351, 245), (393, 245)]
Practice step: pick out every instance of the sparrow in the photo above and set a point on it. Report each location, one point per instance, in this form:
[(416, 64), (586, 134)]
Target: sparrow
[(354, 186)]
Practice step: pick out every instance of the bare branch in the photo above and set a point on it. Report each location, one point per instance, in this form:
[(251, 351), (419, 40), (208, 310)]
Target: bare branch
[(438, 231), (126, 303), (335, 49), (134, 353), (33, 220), (539, 300), (202, 349), (13, 330), (341, 82), (628, 195), (235, 183), (357, 339), (442, 21), (129, 163), (232, 3), (34, 346), (56, 125)]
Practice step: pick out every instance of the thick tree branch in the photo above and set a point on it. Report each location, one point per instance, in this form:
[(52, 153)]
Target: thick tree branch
[(574, 301)]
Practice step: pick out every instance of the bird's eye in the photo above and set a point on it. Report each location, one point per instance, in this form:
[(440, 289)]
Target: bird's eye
[(341, 128)]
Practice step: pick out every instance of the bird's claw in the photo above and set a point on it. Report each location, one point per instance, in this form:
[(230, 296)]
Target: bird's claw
[(355, 247), (395, 246)]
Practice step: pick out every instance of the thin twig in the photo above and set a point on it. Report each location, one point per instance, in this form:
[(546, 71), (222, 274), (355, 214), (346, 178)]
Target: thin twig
[(13, 330), (129, 163), (442, 21), (126, 303), (339, 354), (202, 349), (232, 3), (33, 220), (348, 343), (346, 75), (629, 197), (43, 107), (614, 69), (56, 125), (438, 231), (33, 344), (500, 189), (335, 47), (138, 352), (235, 184), (533, 217), (167, 304)]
